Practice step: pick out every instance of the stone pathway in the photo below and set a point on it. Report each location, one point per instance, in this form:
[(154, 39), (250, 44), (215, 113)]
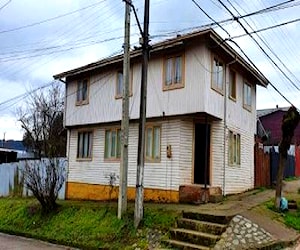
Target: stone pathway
[(243, 234)]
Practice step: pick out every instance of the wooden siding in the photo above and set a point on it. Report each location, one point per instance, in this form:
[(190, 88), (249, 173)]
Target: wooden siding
[(196, 96), (186, 152), (163, 175), (241, 121), (197, 91)]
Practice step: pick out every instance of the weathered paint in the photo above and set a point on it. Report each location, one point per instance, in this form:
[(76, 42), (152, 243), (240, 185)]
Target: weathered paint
[(84, 191), (165, 174), (197, 96), (197, 90)]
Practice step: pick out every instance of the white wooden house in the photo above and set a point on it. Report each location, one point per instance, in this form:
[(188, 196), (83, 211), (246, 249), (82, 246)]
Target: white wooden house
[(201, 120)]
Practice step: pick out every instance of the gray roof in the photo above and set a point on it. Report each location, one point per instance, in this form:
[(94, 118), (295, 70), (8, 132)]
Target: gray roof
[(264, 112)]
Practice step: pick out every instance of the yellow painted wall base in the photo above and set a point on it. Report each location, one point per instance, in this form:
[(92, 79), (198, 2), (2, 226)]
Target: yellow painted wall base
[(83, 191)]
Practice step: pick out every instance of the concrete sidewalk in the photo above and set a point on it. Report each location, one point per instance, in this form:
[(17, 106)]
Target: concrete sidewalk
[(248, 205)]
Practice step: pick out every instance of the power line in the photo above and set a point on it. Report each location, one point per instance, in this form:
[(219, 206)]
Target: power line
[(4, 5), (251, 62), (261, 48), (272, 51), (50, 19)]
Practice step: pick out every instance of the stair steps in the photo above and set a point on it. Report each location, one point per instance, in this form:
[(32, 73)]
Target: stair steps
[(197, 231)]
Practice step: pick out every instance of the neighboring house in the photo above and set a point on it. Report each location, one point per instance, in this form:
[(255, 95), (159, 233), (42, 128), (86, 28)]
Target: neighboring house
[(270, 121), (201, 120), (11, 151)]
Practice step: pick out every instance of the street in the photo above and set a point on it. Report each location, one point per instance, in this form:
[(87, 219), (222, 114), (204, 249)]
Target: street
[(12, 242)]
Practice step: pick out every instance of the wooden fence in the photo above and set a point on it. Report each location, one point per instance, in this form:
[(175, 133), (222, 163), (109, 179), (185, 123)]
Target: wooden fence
[(262, 167)]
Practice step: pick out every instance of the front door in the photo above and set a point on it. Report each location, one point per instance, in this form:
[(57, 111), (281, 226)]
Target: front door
[(201, 153)]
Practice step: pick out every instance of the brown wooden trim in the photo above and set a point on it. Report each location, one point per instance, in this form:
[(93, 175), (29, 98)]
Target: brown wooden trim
[(83, 102), (120, 96), (213, 84), (150, 159), (174, 85), (82, 130)]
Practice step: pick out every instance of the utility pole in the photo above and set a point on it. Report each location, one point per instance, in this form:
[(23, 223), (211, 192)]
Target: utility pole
[(122, 201), (139, 195)]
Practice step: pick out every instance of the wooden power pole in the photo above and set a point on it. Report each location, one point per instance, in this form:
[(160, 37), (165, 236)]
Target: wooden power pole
[(139, 195), (122, 202)]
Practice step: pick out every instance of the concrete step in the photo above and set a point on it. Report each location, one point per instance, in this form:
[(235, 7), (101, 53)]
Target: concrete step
[(194, 237), (201, 226), (219, 219), (175, 244)]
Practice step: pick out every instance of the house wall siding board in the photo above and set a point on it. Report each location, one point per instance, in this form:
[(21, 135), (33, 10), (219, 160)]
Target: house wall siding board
[(197, 90), (238, 120), (162, 175), (217, 155), (186, 152)]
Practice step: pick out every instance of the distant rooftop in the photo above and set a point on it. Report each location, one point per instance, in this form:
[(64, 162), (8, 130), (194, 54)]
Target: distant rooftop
[(264, 112)]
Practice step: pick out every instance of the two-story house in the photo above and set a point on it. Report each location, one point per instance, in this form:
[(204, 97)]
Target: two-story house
[(201, 120)]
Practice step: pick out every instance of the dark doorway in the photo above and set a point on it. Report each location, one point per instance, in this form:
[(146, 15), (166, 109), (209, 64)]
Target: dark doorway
[(201, 153)]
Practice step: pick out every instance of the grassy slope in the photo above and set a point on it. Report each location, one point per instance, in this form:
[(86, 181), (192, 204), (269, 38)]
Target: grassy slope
[(89, 225)]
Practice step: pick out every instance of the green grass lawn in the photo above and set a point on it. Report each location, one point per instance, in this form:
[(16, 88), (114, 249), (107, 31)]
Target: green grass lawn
[(88, 225), (291, 218)]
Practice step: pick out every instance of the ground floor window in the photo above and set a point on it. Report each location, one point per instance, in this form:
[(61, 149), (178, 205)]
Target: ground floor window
[(234, 148), (153, 143), (84, 144), (112, 149)]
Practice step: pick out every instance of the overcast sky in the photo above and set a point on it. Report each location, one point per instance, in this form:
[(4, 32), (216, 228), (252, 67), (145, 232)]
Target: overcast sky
[(42, 38)]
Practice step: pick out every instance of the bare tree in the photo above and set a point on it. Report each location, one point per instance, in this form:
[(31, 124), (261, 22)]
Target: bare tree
[(289, 123), (44, 178), (41, 119)]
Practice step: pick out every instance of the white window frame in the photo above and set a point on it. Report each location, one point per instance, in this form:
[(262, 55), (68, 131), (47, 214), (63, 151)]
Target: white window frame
[(84, 145), (234, 148)]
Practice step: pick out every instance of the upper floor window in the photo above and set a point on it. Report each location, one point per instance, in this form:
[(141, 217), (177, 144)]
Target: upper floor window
[(82, 92), (234, 148), (112, 149), (232, 84), (153, 143), (247, 99), (84, 145), (218, 75), (119, 84), (173, 72)]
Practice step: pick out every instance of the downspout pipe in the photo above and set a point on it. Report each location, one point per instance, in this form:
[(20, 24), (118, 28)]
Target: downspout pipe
[(225, 125)]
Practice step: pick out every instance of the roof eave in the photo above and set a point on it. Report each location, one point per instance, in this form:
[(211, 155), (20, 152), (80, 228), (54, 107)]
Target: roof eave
[(179, 40)]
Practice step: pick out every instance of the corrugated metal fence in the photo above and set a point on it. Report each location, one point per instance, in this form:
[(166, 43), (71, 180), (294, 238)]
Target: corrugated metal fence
[(11, 178)]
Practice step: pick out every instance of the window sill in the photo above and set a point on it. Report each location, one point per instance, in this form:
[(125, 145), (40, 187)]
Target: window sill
[(232, 98), (84, 159), (81, 103), (234, 165), (111, 160), (173, 86), (248, 108), (219, 91), (148, 160), (118, 97)]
